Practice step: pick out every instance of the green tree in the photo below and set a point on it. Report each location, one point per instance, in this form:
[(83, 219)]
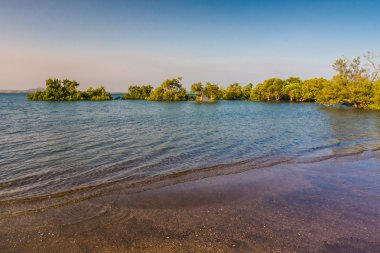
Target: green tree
[(293, 90), (311, 88), (212, 91), (257, 93), (359, 92), (70, 90), (138, 92), (198, 90), (375, 101), (66, 90), (145, 91), (97, 94), (246, 91), (233, 92), (169, 90), (272, 89), (292, 79), (351, 85), (330, 94)]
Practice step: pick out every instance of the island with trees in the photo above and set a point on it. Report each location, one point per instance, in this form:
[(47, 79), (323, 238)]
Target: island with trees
[(355, 84), (66, 90)]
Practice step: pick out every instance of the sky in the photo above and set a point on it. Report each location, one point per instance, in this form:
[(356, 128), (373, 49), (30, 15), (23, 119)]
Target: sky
[(121, 43)]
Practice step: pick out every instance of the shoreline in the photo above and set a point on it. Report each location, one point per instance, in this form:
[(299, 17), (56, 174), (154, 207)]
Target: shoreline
[(326, 206), (40, 203)]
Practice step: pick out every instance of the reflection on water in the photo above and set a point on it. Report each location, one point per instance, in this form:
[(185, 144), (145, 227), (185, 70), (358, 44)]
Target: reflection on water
[(354, 129), (51, 148)]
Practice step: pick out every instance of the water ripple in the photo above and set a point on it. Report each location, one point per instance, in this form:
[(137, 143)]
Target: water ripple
[(50, 148)]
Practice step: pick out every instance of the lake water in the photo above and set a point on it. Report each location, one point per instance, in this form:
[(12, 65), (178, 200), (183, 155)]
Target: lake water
[(55, 147)]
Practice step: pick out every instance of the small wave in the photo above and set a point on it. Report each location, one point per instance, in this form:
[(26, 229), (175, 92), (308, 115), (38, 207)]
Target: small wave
[(135, 183)]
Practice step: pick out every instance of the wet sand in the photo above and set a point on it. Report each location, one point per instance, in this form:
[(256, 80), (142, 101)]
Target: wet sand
[(326, 206)]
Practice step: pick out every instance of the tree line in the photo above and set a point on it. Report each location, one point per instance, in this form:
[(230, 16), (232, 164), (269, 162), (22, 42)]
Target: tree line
[(354, 84), (66, 90)]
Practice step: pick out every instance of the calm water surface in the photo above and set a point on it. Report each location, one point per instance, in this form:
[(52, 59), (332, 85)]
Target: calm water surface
[(52, 147)]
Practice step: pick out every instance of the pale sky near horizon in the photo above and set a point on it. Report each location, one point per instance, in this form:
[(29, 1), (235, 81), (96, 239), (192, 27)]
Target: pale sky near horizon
[(121, 43)]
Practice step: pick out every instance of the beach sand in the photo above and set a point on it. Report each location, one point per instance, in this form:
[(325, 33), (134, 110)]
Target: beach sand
[(325, 206)]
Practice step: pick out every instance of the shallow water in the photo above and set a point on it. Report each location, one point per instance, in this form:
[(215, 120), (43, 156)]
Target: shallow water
[(56, 147), (327, 206)]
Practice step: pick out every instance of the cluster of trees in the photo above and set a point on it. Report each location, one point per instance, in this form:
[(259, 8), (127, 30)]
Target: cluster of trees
[(172, 90), (66, 90), (213, 92), (236, 92), (138, 92), (169, 90), (209, 91), (291, 89), (354, 84), (274, 89)]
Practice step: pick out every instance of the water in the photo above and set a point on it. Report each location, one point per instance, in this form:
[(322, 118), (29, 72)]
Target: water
[(55, 147)]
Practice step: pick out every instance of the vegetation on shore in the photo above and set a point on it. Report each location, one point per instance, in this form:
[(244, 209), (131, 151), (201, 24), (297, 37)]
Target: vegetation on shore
[(354, 84), (66, 90), (208, 92), (169, 90), (138, 92)]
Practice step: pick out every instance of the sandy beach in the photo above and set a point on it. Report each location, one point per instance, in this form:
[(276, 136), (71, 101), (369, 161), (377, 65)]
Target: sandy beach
[(326, 206)]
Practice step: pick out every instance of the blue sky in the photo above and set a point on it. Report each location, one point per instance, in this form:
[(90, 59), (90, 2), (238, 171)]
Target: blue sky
[(120, 43)]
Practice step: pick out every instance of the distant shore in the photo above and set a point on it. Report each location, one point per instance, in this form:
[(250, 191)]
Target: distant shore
[(324, 206), (353, 85), (20, 91)]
